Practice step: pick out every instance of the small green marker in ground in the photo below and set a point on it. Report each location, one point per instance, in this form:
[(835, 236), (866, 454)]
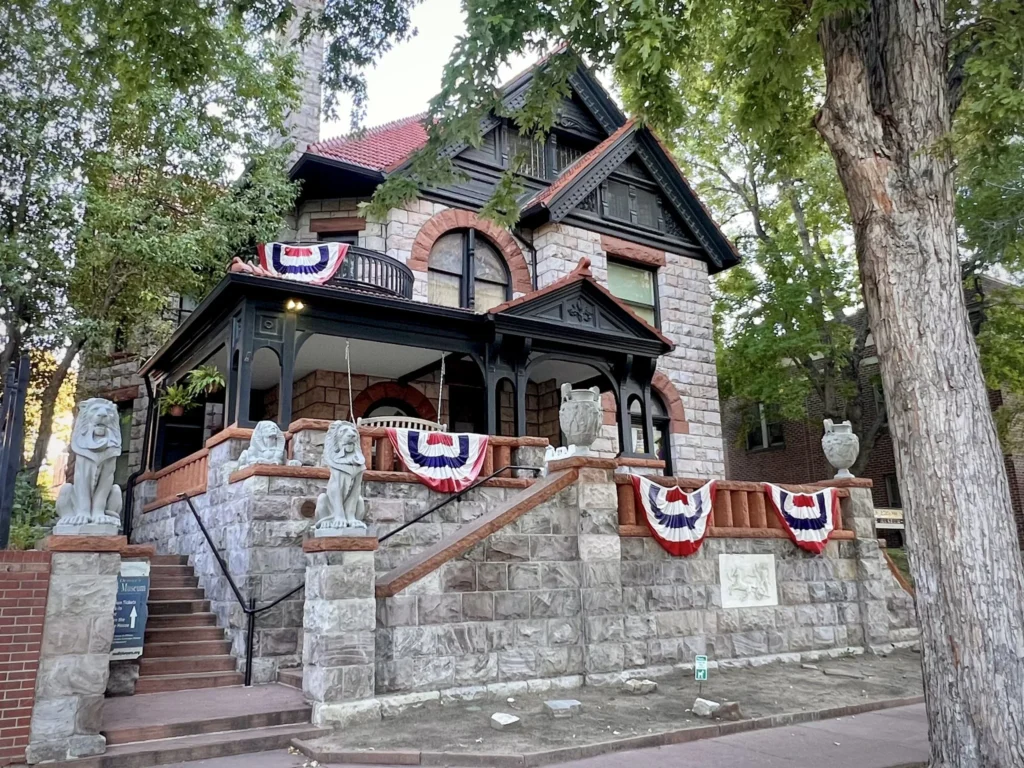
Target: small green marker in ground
[(700, 669)]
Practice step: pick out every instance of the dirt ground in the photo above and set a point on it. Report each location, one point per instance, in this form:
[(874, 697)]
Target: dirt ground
[(610, 713)]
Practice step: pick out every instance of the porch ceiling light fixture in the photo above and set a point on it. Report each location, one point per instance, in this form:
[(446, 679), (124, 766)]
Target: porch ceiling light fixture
[(294, 305)]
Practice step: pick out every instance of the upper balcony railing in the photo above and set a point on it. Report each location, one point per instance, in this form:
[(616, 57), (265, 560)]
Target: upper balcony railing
[(368, 270)]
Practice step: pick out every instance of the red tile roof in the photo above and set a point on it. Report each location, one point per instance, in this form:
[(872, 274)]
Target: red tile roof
[(580, 273), (380, 149), (543, 197)]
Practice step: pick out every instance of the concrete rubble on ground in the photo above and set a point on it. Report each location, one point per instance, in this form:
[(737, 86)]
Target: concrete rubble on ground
[(502, 721), (639, 687), (705, 707), (561, 708)]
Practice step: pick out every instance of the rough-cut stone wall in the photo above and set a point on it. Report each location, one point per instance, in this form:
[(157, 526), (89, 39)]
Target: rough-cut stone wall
[(75, 658), (258, 525), (684, 292), (118, 381), (24, 583), (507, 610)]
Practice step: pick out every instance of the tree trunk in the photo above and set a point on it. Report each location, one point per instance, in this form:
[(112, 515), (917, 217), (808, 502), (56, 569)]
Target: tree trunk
[(47, 406), (885, 117)]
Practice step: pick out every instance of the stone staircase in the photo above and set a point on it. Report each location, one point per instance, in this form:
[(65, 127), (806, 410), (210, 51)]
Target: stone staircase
[(184, 648)]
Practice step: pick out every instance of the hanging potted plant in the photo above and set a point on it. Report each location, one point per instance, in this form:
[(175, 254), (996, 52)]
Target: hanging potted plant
[(205, 380), (175, 401)]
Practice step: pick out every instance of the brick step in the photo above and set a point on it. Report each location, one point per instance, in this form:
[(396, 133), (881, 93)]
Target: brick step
[(295, 715), (177, 607), (182, 634), (169, 581), (180, 665), (168, 560), (199, 648), (143, 754), (187, 682), (182, 621), (290, 677), (163, 594)]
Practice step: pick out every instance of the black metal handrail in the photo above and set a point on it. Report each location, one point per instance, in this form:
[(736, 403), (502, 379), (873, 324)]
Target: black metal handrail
[(458, 495), (364, 269), (248, 606)]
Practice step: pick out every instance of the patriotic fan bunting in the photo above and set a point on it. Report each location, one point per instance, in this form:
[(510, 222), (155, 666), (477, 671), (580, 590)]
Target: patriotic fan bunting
[(443, 461), (315, 264), (809, 517), (678, 520)]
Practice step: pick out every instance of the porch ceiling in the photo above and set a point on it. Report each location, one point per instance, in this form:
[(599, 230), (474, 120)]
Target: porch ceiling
[(369, 358)]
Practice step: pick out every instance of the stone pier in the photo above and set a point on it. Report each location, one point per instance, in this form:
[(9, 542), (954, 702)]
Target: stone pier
[(339, 624), (74, 662)]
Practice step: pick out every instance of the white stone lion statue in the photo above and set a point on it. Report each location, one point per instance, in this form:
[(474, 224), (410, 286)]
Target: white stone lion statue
[(92, 499), (267, 446), (341, 506)]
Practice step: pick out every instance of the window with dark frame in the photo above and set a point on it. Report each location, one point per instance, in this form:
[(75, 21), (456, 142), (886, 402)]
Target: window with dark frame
[(764, 432), (466, 270), (636, 287), (892, 491), (662, 433)]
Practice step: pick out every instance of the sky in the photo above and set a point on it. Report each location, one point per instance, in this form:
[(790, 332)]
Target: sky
[(405, 78)]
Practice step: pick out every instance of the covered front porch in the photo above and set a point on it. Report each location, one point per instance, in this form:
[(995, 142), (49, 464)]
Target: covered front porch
[(291, 351)]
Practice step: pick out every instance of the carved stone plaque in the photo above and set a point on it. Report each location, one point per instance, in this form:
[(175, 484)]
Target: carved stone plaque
[(748, 581)]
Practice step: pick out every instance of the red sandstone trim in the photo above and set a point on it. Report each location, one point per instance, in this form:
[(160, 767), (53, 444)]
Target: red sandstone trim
[(664, 386), (85, 543), (120, 395), (165, 500), (229, 433), (845, 482), (341, 544), (590, 462), (632, 461), (202, 453), (691, 483), (897, 574), (395, 391), (456, 218), (638, 254)]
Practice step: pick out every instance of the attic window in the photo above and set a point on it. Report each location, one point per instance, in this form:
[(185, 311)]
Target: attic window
[(532, 152)]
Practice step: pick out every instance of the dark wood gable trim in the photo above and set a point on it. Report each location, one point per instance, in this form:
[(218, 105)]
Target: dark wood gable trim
[(576, 307)]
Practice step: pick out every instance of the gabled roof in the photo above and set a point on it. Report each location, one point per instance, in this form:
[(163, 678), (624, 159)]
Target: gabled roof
[(559, 302), (378, 149)]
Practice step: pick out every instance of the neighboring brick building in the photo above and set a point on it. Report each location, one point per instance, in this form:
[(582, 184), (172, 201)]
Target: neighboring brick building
[(790, 451), (24, 585)]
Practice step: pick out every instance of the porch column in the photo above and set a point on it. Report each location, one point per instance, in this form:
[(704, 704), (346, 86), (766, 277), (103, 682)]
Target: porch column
[(522, 379), (288, 352), (242, 384)]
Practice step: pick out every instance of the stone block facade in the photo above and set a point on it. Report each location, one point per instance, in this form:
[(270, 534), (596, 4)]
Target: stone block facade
[(339, 644), (509, 609), (74, 661), (24, 585)]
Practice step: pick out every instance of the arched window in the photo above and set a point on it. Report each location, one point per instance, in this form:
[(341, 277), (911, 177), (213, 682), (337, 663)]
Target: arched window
[(466, 270)]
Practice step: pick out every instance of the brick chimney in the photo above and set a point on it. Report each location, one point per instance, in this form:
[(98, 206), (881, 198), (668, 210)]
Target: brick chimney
[(303, 123)]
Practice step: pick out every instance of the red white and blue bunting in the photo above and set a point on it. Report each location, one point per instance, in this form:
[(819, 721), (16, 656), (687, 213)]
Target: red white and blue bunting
[(314, 264), (809, 517), (678, 520), (443, 461)]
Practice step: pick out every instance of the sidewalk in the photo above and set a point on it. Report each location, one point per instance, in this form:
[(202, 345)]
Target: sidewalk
[(884, 739), (889, 738)]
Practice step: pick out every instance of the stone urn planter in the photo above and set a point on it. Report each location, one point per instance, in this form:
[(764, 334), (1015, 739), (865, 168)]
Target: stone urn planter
[(580, 416), (841, 446)]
